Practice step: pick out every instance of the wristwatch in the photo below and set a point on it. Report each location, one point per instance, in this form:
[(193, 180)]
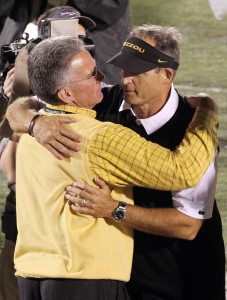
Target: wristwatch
[(120, 212)]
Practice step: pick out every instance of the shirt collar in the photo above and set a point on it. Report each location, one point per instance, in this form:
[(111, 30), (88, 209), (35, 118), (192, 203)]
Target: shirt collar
[(154, 122), (61, 109)]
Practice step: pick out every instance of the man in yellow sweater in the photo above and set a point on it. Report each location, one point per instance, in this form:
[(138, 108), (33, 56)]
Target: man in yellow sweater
[(55, 245)]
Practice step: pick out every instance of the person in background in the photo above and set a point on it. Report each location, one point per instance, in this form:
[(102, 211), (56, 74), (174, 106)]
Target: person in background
[(15, 15), (112, 18), (16, 85), (63, 255), (169, 220), (8, 282)]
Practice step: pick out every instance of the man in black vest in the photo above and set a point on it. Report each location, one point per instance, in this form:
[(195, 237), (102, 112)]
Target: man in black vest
[(179, 249)]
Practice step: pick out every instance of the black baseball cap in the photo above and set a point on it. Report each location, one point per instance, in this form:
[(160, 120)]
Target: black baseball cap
[(137, 56), (72, 13)]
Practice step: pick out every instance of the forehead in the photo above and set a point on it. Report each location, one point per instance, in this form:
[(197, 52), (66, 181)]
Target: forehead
[(148, 40), (83, 60)]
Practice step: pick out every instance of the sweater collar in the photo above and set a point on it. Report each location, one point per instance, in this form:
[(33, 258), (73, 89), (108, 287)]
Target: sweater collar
[(69, 109)]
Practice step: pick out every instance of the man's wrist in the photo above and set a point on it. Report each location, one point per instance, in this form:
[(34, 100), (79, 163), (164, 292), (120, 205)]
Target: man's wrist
[(32, 124)]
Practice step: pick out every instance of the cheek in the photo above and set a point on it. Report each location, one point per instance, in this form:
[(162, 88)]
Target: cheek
[(90, 94), (150, 87), (91, 90)]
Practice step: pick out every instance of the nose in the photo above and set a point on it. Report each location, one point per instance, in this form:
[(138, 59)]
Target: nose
[(126, 77), (126, 80)]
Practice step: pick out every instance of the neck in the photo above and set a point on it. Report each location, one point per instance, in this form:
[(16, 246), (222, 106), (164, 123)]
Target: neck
[(149, 109)]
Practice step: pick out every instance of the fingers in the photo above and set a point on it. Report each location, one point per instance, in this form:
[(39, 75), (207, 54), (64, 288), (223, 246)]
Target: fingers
[(10, 72), (94, 201), (101, 183), (80, 205), (82, 196), (91, 193), (69, 139), (78, 201), (59, 150), (202, 99), (84, 187), (8, 83), (77, 194), (60, 141), (81, 210), (64, 147), (53, 151)]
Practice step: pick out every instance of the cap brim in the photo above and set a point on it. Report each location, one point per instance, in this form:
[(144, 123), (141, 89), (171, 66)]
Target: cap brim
[(87, 22), (131, 63)]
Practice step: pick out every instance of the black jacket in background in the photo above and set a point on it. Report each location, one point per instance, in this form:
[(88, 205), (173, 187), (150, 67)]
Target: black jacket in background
[(112, 19)]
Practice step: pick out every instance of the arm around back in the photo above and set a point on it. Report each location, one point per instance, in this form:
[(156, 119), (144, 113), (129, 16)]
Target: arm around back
[(131, 160)]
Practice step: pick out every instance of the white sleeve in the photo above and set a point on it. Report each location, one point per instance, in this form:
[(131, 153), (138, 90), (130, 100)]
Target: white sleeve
[(198, 202)]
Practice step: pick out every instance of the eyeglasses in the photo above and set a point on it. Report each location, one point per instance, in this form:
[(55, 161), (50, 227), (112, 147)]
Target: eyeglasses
[(95, 74)]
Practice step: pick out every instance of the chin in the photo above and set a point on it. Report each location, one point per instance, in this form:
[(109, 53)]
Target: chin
[(130, 99), (100, 97), (97, 101)]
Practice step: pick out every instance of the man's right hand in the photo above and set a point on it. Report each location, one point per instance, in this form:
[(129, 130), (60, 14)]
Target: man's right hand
[(8, 83), (202, 99), (48, 131), (60, 141)]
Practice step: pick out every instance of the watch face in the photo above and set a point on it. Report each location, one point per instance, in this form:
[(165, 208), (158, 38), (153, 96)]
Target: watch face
[(120, 212), (119, 215)]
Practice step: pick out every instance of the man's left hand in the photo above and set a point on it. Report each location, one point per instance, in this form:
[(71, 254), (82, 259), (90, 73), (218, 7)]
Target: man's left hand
[(89, 200)]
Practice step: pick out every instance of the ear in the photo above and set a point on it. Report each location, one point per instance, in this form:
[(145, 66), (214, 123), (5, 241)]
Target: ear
[(65, 94), (168, 74)]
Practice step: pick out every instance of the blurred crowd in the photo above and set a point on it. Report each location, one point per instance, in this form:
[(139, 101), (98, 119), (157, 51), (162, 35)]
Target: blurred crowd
[(111, 18)]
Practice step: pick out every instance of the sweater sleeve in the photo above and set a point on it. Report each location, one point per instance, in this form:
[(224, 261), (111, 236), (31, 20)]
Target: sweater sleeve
[(121, 157)]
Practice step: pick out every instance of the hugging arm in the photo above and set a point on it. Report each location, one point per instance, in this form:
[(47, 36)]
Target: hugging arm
[(49, 131), (190, 207), (168, 222)]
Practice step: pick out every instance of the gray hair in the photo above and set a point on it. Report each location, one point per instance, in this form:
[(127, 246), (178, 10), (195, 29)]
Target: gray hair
[(49, 66), (167, 39)]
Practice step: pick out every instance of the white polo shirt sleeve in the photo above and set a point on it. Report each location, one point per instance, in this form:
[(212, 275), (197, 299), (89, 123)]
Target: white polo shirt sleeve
[(198, 202)]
